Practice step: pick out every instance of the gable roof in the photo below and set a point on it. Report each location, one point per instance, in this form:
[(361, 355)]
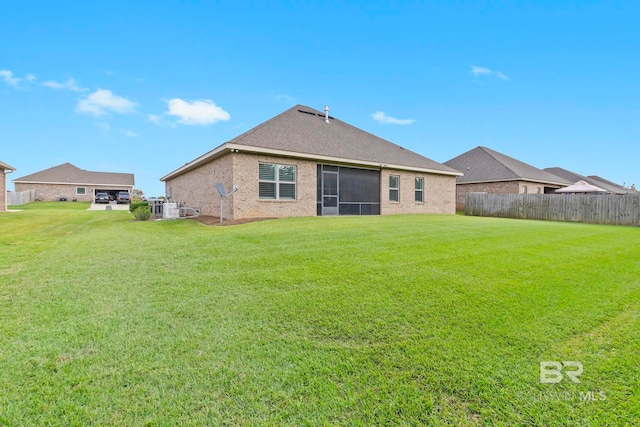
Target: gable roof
[(604, 183), (302, 132), (609, 187), (70, 174), (6, 167), (482, 164)]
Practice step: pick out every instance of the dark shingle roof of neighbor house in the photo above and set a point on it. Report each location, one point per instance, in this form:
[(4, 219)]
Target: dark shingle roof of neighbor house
[(604, 182), (482, 164), (303, 133), (70, 174), (6, 167), (609, 187)]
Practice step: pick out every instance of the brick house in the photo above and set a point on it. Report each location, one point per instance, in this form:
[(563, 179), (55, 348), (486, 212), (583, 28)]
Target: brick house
[(488, 171), (6, 169), (69, 182), (306, 163)]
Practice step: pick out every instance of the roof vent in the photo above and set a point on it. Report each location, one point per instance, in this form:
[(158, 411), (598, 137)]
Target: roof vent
[(326, 114)]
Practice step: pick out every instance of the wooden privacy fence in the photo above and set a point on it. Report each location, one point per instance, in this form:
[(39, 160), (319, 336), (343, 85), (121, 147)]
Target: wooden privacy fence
[(21, 197), (594, 209)]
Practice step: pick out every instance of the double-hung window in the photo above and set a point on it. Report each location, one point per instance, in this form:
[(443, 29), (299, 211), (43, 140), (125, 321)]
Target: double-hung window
[(419, 190), (276, 182), (394, 188)]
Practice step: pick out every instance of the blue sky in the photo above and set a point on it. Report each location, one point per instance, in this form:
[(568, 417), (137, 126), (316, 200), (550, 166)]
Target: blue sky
[(146, 86)]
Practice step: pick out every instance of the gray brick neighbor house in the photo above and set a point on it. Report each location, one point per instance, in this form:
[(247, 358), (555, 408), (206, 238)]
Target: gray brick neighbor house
[(303, 162), (69, 182), (5, 169)]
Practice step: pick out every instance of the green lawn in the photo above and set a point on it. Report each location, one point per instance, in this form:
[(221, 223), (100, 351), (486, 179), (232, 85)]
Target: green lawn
[(394, 320)]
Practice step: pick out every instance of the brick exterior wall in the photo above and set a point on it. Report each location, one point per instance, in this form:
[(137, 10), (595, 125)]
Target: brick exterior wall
[(3, 191), (53, 192), (246, 201), (196, 188), (501, 187), (438, 194)]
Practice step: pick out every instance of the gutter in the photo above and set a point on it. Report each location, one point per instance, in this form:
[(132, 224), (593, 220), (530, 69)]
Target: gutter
[(237, 148)]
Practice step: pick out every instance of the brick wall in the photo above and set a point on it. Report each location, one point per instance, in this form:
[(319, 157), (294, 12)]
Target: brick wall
[(246, 201), (197, 188), (503, 187), (53, 192), (438, 194)]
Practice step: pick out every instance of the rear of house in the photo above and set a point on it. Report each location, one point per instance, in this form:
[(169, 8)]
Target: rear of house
[(306, 163)]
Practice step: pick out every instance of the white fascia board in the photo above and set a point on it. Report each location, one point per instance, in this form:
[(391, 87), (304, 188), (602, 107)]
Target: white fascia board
[(331, 159), (229, 147), (216, 152)]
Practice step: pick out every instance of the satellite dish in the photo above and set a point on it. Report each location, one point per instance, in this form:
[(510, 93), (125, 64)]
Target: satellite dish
[(221, 190), (224, 195)]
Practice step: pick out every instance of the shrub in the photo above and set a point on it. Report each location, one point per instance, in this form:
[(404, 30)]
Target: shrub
[(142, 213), (135, 205)]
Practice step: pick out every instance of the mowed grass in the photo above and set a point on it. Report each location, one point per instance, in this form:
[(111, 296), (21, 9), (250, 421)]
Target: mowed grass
[(392, 320)]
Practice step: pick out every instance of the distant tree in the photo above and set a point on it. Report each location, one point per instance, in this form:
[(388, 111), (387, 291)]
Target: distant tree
[(136, 193)]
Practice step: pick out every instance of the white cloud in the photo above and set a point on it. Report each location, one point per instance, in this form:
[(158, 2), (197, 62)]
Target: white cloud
[(102, 101), (381, 117), (11, 80), (70, 84), (130, 134), (199, 112), (477, 71)]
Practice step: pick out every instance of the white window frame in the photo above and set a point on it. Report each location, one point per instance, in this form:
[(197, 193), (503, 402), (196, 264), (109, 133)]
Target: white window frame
[(395, 189), (278, 182), (419, 190), (84, 191)]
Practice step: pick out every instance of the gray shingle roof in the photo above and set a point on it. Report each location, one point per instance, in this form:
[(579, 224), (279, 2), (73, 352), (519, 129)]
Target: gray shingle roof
[(70, 174), (6, 167), (574, 177), (601, 182), (482, 164), (302, 131)]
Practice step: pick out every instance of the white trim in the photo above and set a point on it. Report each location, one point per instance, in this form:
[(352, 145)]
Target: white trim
[(229, 147)]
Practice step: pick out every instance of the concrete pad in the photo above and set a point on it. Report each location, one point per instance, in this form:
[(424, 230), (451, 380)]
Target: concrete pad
[(112, 205)]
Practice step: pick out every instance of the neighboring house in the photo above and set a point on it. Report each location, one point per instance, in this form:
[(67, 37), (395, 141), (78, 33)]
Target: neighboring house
[(488, 171), (604, 182), (6, 169), (68, 182), (305, 163), (573, 177)]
